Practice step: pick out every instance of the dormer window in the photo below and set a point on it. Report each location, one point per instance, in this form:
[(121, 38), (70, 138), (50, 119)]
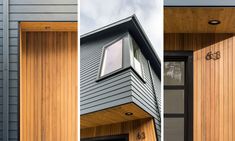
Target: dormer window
[(112, 58), (119, 54)]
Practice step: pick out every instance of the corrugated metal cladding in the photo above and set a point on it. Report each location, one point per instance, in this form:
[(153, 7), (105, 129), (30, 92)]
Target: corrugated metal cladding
[(119, 89), (25, 10)]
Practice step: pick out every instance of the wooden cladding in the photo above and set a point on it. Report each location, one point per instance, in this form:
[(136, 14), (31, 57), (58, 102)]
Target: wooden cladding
[(113, 115), (48, 26), (137, 128), (195, 19), (48, 86), (214, 83)]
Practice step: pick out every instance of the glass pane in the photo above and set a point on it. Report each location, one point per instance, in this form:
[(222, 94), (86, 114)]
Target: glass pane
[(137, 66), (112, 58), (174, 129), (137, 53), (136, 50), (174, 101), (174, 73)]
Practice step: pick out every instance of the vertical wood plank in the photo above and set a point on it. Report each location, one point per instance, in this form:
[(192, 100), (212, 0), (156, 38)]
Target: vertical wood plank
[(28, 90), (212, 91), (230, 85), (63, 130), (216, 122), (35, 86), (233, 130), (75, 84), (48, 100), (39, 64), (214, 79), (69, 110), (225, 66), (59, 93)]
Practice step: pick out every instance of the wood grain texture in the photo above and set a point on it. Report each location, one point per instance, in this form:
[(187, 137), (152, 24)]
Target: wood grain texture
[(113, 115), (195, 19), (214, 83), (130, 127), (48, 86), (48, 26)]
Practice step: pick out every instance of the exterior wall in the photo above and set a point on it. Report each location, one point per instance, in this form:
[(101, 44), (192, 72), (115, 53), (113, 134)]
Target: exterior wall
[(121, 88), (1, 71), (109, 92), (131, 127), (157, 89), (26, 10), (214, 83), (144, 93)]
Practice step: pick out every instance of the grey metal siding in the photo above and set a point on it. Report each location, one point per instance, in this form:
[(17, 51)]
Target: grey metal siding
[(157, 89), (1, 70), (109, 92), (146, 94), (28, 10)]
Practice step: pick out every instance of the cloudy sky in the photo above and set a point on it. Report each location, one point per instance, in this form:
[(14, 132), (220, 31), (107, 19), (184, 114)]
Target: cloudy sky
[(98, 13)]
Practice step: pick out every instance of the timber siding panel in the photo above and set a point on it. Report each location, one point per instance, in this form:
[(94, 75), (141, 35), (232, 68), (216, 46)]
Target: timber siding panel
[(131, 127), (28, 10), (214, 83), (48, 86)]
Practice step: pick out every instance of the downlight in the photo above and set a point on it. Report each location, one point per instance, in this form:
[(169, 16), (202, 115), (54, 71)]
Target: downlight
[(214, 22), (128, 113)]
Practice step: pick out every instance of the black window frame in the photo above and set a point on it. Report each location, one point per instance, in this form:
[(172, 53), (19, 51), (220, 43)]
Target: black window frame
[(134, 44), (123, 137), (131, 58), (127, 54), (187, 57), (102, 58)]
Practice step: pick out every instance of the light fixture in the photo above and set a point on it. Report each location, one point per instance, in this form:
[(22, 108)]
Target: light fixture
[(128, 113), (214, 22)]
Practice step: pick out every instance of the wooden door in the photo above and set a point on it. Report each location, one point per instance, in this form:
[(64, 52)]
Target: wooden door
[(48, 83)]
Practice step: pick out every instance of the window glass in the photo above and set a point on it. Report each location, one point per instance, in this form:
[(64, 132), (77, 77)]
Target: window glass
[(174, 101), (136, 54), (112, 58), (174, 73), (174, 129)]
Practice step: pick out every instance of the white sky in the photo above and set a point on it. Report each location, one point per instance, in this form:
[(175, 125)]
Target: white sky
[(98, 13)]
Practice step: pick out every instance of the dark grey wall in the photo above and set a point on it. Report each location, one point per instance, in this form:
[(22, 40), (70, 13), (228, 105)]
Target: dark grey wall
[(106, 93), (157, 89), (1, 70), (146, 95), (27, 10)]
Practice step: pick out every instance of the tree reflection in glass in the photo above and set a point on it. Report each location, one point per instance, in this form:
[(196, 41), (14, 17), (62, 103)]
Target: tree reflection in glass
[(174, 73)]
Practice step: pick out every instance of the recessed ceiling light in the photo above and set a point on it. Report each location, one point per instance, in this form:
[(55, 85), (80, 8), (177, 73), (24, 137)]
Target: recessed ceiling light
[(128, 113), (213, 22)]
